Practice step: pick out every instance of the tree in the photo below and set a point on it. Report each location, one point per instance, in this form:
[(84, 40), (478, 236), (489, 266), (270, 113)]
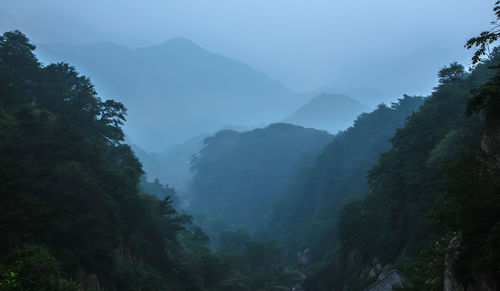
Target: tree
[(487, 97), (485, 38)]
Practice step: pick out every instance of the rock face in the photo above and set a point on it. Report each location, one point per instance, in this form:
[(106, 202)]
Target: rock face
[(303, 258), (451, 283), (92, 282), (385, 283), (373, 269), (89, 281)]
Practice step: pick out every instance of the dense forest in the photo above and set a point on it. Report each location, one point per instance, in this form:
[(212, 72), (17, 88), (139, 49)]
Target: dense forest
[(72, 216), (306, 216), (432, 207), (412, 187), (238, 177), (391, 225)]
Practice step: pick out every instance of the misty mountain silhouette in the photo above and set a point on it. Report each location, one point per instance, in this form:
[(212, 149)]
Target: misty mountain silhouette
[(171, 166), (176, 90), (332, 112)]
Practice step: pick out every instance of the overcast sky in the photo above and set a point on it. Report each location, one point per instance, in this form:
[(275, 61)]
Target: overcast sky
[(305, 44)]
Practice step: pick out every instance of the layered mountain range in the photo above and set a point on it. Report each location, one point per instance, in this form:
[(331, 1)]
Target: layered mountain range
[(176, 90)]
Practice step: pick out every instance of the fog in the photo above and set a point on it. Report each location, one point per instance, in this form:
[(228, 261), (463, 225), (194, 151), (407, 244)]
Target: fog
[(185, 68), (304, 44), (267, 145)]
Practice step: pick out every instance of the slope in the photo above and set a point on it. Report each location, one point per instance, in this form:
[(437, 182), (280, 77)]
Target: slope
[(176, 90), (306, 216), (332, 112), (238, 176), (391, 226)]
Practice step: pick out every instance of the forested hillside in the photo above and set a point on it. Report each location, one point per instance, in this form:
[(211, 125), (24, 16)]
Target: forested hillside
[(158, 82), (307, 214), (70, 186), (411, 190), (239, 176), (433, 185), (71, 214)]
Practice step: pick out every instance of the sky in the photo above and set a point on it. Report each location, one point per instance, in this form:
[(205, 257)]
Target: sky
[(304, 44)]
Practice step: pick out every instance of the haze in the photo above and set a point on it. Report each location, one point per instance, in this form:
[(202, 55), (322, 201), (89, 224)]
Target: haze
[(249, 145), (306, 45)]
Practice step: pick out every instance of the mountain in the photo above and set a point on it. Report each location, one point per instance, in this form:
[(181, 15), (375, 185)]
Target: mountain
[(70, 208), (75, 212), (171, 166), (176, 90), (332, 112), (307, 213), (239, 176), (431, 209)]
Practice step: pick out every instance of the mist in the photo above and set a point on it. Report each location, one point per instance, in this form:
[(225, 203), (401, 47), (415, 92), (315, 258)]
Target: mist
[(264, 145), (304, 44), (373, 52)]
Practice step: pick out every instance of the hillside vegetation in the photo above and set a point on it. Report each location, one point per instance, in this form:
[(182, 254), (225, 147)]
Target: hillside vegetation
[(239, 176), (410, 189), (71, 214)]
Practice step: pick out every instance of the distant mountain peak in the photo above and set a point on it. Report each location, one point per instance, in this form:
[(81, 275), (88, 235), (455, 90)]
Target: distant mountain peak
[(180, 41), (332, 112), (178, 45), (338, 96), (110, 45), (176, 89)]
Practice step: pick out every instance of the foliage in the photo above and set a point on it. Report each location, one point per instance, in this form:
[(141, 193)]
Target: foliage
[(486, 98), (32, 267), (157, 189), (469, 207), (261, 262), (392, 223), (470, 202), (69, 183), (485, 38), (239, 176), (74, 204), (426, 271), (307, 215)]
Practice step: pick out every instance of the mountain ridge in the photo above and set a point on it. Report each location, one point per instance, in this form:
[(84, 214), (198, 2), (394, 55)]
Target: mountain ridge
[(176, 76), (328, 111)]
